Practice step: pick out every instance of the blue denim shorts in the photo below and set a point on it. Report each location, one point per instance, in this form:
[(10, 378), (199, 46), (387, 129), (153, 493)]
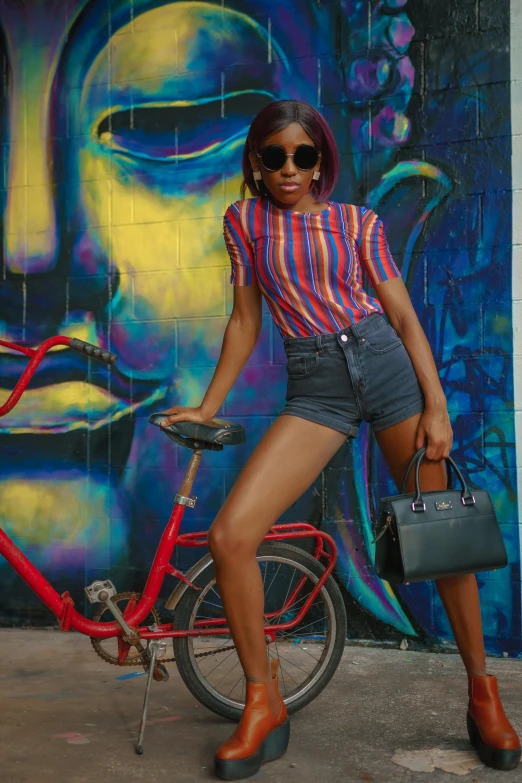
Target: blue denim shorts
[(362, 373)]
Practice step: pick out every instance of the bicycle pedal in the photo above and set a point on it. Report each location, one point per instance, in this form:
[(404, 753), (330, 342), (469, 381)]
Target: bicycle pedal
[(161, 673), (100, 591), (157, 649)]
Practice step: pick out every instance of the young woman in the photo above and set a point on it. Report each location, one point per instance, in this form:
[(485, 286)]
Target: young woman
[(306, 255)]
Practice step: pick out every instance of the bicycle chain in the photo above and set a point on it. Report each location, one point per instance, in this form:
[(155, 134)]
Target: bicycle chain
[(138, 659)]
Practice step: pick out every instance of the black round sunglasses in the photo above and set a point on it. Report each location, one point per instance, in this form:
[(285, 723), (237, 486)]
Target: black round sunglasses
[(273, 157)]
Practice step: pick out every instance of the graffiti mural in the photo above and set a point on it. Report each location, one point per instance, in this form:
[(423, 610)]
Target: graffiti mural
[(123, 124)]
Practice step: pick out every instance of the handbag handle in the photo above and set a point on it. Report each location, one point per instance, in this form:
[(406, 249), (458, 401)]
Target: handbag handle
[(418, 504)]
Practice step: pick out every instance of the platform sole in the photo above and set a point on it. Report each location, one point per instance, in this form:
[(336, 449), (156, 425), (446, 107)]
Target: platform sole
[(273, 747), (492, 757)]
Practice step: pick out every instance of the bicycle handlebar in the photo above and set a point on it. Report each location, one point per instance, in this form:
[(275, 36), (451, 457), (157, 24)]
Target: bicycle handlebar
[(37, 354), (94, 351)]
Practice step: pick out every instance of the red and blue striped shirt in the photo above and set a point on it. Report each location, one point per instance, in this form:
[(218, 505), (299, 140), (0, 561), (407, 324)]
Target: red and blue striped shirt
[(309, 266)]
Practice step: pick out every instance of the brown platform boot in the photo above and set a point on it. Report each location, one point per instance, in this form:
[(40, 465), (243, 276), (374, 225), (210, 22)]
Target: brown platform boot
[(490, 732), (259, 737)]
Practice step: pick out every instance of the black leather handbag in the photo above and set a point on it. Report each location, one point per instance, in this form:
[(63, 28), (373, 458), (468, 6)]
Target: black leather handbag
[(430, 535)]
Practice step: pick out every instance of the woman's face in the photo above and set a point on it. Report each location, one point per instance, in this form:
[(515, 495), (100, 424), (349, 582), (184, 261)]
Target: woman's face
[(289, 185)]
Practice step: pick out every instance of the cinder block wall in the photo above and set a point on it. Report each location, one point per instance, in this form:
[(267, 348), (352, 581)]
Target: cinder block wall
[(123, 125), (516, 146)]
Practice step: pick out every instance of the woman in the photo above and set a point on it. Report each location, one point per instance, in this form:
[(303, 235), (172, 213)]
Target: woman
[(306, 256)]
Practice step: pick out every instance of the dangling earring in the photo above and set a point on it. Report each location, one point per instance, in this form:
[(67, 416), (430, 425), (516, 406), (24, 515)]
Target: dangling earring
[(257, 178), (316, 175)]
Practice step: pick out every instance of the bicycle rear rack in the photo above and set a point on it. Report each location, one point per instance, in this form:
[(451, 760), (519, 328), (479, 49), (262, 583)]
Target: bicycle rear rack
[(291, 530)]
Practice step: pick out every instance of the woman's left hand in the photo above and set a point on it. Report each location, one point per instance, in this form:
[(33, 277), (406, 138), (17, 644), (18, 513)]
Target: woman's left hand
[(434, 432)]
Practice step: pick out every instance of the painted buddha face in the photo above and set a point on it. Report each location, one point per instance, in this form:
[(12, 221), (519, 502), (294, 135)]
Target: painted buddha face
[(122, 150), (123, 127)]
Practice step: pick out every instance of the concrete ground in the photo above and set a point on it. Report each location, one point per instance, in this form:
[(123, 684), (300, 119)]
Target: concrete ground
[(67, 718)]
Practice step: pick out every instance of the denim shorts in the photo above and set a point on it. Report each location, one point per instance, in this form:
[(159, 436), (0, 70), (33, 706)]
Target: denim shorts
[(362, 373)]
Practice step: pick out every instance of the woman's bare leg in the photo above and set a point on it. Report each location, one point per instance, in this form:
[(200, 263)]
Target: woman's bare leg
[(284, 464), (459, 595)]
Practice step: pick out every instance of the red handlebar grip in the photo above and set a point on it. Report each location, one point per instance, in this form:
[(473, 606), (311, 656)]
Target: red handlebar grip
[(94, 351)]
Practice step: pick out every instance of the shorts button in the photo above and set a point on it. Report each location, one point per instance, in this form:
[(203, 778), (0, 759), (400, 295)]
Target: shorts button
[(344, 338)]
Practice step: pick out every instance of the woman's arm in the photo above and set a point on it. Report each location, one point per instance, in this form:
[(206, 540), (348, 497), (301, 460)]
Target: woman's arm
[(434, 429), (240, 337)]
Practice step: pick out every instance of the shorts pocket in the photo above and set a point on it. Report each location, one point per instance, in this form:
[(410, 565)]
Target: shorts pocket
[(301, 365), (383, 340)]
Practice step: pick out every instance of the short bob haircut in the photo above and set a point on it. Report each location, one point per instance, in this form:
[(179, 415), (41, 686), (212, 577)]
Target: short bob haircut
[(274, 118)]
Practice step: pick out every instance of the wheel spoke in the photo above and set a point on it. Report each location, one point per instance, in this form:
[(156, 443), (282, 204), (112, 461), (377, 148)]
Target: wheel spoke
[(272, 582), (289, 609), (294, 664), (280, 667), (209, 603), (241, 677), (229, 671), (298, 633), (289, 674), (219, 663), (309, 654), (287, 594)]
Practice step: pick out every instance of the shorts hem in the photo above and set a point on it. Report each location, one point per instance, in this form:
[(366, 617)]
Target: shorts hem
[(398, 416), (346, 429)]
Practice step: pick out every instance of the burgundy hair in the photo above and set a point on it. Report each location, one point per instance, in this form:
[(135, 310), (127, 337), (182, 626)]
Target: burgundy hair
[(274, 118)]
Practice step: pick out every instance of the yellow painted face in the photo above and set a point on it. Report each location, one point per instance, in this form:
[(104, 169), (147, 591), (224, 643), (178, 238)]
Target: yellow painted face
[(123, 150), (121, 201)]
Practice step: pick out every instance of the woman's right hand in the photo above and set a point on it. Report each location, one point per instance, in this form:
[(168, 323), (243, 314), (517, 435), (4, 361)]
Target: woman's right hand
[(179, 413)]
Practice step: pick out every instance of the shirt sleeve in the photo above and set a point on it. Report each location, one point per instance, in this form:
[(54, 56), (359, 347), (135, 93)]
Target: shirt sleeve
[(376, 258), (239, 249)]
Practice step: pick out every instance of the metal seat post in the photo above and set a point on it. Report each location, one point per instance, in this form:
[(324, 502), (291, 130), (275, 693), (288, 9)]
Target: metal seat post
[(183, 497)]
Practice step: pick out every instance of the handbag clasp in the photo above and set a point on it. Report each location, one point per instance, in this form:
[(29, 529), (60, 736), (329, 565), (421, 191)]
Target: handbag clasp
[(418, 505)]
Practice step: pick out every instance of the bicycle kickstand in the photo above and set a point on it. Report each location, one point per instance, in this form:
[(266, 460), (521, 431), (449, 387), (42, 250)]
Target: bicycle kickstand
[(155, 649)]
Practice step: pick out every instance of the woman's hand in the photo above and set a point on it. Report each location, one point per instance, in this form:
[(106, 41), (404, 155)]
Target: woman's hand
[(178, 413), (434, 432)]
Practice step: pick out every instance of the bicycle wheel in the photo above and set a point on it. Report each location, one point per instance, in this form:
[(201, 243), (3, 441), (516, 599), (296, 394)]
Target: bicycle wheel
[(309, 654)]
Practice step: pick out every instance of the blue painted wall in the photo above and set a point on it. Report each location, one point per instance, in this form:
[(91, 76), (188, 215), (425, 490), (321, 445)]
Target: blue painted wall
[(123, 124)]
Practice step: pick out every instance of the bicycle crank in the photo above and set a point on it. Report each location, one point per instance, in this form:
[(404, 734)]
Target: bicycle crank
[(106, 653)]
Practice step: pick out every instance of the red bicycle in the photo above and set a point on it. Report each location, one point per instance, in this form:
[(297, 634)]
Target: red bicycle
[(304, 610)]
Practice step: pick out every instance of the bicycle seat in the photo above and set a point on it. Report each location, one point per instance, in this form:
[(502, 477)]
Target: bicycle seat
[(194, 435)]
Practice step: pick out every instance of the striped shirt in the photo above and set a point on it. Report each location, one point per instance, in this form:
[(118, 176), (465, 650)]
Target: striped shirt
[(309, 266)]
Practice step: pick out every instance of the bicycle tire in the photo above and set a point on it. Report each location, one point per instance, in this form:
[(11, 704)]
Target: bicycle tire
[(183, 647)]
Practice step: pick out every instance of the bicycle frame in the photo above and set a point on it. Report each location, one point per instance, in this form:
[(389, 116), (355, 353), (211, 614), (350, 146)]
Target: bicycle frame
[(62, 606)]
